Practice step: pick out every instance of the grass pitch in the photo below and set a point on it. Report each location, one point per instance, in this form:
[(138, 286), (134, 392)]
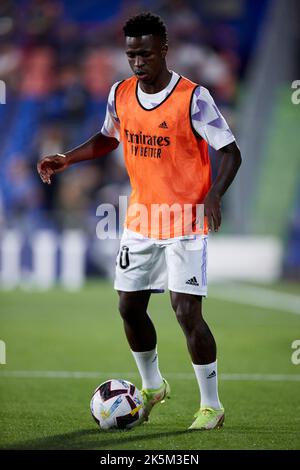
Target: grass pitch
[(50, 335)]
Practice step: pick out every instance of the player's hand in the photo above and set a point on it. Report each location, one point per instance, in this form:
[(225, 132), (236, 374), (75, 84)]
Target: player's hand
[(212, 210), (51, 165)]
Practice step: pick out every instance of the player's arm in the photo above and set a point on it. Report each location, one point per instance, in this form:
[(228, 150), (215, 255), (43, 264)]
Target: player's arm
[(209, 124), (97, 146), (230, 163)]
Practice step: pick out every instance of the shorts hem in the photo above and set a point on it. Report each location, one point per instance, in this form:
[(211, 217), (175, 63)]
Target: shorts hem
[(189, 291), (154, 290)]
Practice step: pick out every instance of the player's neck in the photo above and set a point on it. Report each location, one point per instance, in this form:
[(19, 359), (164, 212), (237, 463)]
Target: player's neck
[(159, 84)]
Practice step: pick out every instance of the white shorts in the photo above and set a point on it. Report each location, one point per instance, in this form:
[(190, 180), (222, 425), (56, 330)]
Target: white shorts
[(149, 264)]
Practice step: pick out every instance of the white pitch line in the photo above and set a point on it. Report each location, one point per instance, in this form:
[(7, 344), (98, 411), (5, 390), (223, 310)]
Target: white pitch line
[(258, 297), (60, 374)]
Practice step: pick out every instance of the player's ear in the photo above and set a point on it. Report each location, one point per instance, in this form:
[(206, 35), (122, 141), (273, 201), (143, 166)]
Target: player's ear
[(164, 50)]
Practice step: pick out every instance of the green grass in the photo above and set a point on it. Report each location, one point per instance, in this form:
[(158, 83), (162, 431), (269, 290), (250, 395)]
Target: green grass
[(63, 331)]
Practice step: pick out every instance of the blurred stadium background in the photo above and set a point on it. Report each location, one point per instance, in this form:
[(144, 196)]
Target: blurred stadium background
[(58, 60)]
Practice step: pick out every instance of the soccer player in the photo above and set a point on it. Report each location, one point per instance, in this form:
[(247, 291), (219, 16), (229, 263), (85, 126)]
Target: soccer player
[(165, 123)]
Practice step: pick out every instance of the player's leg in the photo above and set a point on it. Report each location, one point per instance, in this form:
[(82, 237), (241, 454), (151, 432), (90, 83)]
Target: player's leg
[(138, 326), (200, 341), (141, 336), (135, 279), (140, 270), (201, 344), (186, 262), (202, 349)]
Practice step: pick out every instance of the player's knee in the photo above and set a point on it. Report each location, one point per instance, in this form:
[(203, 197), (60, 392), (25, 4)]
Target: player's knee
[(185, 314), (129, 306), (185, 302), (125, 306), (187, 309)]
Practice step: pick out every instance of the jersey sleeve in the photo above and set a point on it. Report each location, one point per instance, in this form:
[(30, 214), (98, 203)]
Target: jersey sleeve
[(207, 121), (111, 125)]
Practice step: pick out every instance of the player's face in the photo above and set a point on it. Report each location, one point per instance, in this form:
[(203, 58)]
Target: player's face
[(146, 55)]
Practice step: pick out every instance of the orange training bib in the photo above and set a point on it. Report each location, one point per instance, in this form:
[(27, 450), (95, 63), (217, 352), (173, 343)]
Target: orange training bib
[(167, 163)]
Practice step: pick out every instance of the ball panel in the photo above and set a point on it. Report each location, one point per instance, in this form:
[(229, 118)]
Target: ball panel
[(126, 421), (131, 402), (106, 391)]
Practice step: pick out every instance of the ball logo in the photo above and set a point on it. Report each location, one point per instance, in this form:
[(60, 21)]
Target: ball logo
[(136, 410), (107, 413)]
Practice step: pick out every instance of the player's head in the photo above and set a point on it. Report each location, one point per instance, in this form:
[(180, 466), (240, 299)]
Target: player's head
[(146, 45)]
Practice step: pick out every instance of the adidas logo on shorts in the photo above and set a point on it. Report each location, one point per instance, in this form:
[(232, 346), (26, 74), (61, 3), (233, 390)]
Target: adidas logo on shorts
[(193, 282)]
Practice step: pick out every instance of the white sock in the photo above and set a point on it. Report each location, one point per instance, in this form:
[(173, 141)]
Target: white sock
[(147, 364), (207, 378)]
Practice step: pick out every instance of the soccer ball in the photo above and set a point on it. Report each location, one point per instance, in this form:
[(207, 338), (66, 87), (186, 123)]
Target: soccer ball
[(117, 404)]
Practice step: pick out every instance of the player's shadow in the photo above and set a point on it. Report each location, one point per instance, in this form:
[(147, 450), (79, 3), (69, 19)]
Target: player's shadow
[(81, 440)]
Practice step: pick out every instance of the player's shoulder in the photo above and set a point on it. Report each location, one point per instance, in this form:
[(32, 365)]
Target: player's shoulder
[(202, 99), (198, 90), (120, 85), (203, 93), (187, 83), (112, 92), (114, 88)]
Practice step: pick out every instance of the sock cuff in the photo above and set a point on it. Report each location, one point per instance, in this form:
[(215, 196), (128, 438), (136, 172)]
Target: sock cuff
[(144, 353), (205, 366)]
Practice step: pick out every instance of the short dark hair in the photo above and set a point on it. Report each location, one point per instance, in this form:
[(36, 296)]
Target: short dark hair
[(146, 23)]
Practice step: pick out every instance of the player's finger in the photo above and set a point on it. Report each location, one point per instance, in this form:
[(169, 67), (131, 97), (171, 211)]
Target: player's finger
[(209, 220), (46, 179), (46, 176), (217, 219), (43, 176), (220, 219)]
